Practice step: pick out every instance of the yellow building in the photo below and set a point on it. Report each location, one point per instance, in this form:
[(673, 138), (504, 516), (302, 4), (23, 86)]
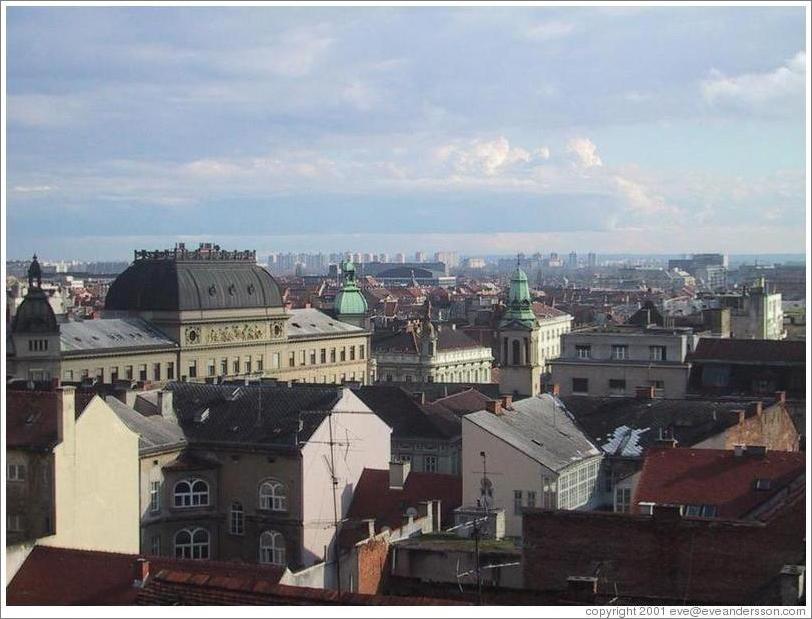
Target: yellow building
[(188, 315)]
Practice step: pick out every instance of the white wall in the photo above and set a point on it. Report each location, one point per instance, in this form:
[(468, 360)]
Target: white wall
[(363, 442)]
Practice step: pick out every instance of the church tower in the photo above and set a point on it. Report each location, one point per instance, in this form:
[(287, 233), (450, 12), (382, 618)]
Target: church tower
[(518, 337), (350, 306), (35, 333)]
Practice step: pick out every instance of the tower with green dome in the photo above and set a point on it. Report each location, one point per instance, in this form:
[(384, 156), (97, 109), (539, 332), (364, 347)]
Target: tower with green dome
[(518, 337), (350, 306)]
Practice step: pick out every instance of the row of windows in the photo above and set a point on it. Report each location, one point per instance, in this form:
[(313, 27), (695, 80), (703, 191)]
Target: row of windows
[(37, 345), (576, 488), (463, 376), (195, 544), (309, 357), (238, 365), (518, 497), (617, 386), (429, 462), (142, 372), (272, 495), (15, 472), (621, 352)]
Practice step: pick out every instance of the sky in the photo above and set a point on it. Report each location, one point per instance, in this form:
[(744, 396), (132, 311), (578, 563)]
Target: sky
[(484, 130)]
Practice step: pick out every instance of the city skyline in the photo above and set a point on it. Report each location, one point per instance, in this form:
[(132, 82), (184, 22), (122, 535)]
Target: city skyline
[(493, 131)]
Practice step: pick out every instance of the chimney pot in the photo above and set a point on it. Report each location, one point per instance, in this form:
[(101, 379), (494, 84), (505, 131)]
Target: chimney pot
[(398, 473), (507, 401), (141, 571)]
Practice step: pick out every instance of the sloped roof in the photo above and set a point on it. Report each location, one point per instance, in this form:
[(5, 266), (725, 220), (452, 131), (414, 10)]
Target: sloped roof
[(626, 426), (541, 428), (542, 311), (153, 431), (267, 413), (715, 477), (310, 322), (461, 403), (111, 334), (406, 417), (783, 352)]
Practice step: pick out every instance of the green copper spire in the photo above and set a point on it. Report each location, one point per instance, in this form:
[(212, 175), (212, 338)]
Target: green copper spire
[(349, 301), (519, 305)]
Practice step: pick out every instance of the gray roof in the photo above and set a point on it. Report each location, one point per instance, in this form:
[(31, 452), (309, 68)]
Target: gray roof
[(309, 322), (153, 431), (541, 428), (110, 334)]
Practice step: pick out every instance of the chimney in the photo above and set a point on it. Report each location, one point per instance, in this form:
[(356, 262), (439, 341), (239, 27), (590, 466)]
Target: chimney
[(738, 450), (165, 405), (420, 397), (759, 408), (66, 417), (555, 389), (507, 402), (141, 572), (742, 415), (398, 472), (667, 513), (582, 588), (792, 585), (645, 393), (370, 526), (494, 406), (781, 396), (453, 326)]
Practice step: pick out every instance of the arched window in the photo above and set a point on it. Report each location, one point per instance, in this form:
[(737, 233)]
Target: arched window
[(516, 352), (272, 548), (192, 544), (191, 493), (237, 519), (272, 496)]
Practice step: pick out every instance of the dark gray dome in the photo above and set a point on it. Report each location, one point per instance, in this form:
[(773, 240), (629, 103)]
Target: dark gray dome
[(35, 314), (170, 285)]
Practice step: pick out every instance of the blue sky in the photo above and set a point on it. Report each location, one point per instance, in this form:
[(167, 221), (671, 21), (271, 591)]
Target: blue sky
[(485, 130)]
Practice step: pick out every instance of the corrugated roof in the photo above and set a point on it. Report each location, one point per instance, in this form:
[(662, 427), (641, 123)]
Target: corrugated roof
[(111, 333), (309, 322), (541, 428)]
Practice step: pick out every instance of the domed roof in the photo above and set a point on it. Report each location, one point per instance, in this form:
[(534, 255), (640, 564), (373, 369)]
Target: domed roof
[(35, 314), (349, 300), (199, 280)]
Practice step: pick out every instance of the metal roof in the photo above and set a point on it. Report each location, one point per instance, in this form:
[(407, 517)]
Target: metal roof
[(540, 427), (110, 333), (153, 431), (307, 322)]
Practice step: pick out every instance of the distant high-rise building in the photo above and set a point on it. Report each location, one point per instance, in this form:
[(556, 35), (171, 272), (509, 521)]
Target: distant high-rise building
[(449, 258), (383, 257), (592, 260), (400, 257), (572, 260), (419, 256)]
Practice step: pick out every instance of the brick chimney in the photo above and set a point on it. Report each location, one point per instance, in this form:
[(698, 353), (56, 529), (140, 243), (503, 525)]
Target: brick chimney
[(645, 393), (398, 472), (494, 406), (507, 402)]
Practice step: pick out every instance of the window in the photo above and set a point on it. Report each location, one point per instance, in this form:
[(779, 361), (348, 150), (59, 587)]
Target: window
[(99, 374), (430, 464), (15, 472), (405, 457), (583, 351), (272, 496), (224, 367), (580, 385), (247, 364), (623, 499), (272, 548), (656, 353), (576, 487), (332, 355), (193, 369), (156, 371), (516, 352), (517, 502), (388, 378), (361, 351), (154, 496), (236, 365), (67, 375), (156, 546), (212, 367), (531, 498), (113, 374), (142, 372), (192, 544), (619, 351), (703, 511), (312, 356), (191, 493), (259, 362), (128, 372), (323, 355), (617, 386), (343, 354), (170, 370), (237, 519), (301, 357), (14, 522), (352, 353)]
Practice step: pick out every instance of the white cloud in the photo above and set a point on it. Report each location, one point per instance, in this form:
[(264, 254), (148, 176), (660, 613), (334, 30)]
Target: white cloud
[(783, 84), (32, 188), (639, 198), (489, 157), (585, 152), (546, 31)]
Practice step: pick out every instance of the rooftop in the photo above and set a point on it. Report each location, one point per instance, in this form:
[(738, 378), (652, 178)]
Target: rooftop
[(312, 322), (772, 352), (405, 415), (110, 334)]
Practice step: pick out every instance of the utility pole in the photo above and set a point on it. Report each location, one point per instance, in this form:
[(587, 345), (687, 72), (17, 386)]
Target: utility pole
[(335, 507)]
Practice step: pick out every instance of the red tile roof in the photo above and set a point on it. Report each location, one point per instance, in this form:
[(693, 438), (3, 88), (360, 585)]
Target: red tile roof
[(32, 418), (373, 498), (542, 310), (715, 477), (462, 403)]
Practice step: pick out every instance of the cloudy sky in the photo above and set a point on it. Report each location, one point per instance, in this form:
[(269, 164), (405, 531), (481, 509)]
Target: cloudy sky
[(485, 130)]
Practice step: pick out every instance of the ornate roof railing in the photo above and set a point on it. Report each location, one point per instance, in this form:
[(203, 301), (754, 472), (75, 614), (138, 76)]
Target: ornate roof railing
[(206, 252)]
